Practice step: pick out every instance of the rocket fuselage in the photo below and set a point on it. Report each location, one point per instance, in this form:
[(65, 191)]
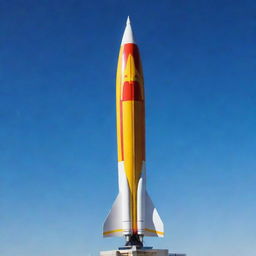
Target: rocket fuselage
[(130, 114), (133, 214)]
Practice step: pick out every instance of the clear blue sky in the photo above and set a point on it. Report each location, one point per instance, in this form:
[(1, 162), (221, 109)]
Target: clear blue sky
[(58, 170)]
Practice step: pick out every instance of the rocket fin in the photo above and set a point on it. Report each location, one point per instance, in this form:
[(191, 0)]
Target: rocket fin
[(113, 223), (153, 223)]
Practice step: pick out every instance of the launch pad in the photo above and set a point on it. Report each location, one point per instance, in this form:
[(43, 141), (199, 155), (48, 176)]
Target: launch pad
[(134, 251)]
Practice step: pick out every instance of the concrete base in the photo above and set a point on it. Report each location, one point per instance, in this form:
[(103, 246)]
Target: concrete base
[(136, 252)]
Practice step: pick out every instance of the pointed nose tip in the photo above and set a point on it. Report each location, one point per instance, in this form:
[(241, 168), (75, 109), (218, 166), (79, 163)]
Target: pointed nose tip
[(128, 20), (128, 37)]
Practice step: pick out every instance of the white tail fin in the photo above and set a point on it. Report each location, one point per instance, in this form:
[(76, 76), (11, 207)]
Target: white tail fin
[(113, 223), (153, 223)]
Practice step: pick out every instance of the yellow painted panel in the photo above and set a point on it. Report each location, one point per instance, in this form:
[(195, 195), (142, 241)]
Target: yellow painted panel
[(112, 231), (154, 231)]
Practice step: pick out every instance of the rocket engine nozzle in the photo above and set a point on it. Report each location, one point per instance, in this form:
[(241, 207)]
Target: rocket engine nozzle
[(134, 240)]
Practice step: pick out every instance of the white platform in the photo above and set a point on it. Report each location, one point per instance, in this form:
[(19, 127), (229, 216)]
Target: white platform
[(136, 252), (177, 254)]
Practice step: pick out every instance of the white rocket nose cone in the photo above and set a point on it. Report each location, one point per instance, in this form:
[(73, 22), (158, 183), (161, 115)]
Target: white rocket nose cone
[(128, 37), (128, 20)]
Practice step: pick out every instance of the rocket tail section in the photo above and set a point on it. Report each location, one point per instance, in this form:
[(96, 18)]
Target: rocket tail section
[(118, 221), (153, 223), (113, 223), (149, 222)]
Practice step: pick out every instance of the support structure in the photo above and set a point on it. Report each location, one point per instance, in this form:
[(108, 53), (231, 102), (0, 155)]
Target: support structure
[(134, 240), (134, 251)]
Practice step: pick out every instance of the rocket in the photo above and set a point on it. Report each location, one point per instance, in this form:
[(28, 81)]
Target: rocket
[(133, 214)]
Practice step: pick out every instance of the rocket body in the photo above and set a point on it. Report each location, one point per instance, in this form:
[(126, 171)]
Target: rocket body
[(133, 213), (130, 113)]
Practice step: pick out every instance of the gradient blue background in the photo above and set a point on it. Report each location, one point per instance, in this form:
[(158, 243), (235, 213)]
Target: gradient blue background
[(58, 136)]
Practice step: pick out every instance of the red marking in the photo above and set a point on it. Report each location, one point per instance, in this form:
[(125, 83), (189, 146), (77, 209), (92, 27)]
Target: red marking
[(121, 130), (132, 49), (131, 91)]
